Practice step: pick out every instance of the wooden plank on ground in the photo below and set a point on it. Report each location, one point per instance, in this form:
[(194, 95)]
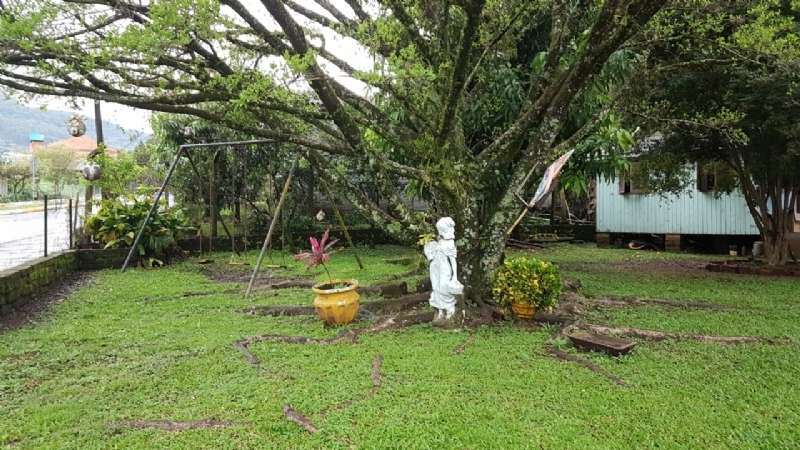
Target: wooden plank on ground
[(596, 342)]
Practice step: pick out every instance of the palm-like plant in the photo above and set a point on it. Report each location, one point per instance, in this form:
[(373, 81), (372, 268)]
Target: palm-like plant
[(319, 253)]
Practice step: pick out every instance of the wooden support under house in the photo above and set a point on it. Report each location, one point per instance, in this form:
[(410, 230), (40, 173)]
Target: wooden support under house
[(603, 240), (672, 242)]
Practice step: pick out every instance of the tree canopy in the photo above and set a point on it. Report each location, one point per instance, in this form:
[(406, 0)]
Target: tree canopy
[(458, 100), (721, 84)]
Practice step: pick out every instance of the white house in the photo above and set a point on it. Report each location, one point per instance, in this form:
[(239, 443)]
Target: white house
[(700, 214)]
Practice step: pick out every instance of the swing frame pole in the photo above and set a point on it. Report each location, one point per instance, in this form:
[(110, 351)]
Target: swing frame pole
[(153, 207), (268, 238)]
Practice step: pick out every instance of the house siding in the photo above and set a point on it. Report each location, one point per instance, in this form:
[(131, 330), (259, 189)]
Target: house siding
[(692, 212)]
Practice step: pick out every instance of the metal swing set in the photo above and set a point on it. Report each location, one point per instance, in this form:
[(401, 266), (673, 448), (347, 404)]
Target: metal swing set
[(187, 149)]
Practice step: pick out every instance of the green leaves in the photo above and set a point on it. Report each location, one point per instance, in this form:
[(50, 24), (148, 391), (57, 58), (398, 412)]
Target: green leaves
[(118, 221), (529, 281)]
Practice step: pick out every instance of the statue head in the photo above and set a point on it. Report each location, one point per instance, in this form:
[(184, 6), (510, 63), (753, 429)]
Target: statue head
[(446, 228)]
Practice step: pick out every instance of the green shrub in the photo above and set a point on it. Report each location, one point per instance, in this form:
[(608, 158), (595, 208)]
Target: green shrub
[(527, 280), (117, 222)]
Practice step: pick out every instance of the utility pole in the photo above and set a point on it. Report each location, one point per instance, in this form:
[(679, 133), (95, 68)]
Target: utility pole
[(98, 122), (98, 127)]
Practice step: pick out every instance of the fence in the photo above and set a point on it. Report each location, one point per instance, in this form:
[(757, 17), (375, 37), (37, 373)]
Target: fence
[(31, 230)]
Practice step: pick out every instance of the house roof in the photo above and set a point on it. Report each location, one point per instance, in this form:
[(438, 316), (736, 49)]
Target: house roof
[(81, 144)]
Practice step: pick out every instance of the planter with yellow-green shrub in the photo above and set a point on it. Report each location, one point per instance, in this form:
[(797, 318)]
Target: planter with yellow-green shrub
[(527, 284)]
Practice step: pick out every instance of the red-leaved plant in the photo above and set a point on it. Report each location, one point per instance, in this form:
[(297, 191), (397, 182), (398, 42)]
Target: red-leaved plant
[(319, 253)]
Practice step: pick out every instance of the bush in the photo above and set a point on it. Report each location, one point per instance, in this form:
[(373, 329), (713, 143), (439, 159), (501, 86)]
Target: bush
[(527, 280), (117, 222)]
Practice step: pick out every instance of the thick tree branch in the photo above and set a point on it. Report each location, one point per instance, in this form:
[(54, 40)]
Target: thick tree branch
[(459, 75)]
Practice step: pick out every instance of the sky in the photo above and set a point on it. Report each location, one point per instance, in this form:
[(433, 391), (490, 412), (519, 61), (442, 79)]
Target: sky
[(124, 116), (139, 119)]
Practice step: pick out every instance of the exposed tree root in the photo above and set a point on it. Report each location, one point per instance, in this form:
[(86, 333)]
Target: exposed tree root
[(377, 362), (459, 349), (171, 425), (386, 290), (280, 310), (661, 335), (583, 362), (244, 349), (348, 335), (376, 378), (298, 418), (378, 307)]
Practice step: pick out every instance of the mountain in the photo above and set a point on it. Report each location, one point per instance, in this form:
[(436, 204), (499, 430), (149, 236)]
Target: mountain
[(17, 122)]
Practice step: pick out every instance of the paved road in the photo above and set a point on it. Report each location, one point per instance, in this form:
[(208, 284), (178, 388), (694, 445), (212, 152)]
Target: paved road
[(22, 235)]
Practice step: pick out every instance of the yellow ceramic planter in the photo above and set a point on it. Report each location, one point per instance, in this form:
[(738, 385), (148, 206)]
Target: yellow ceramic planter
[(523, 310), (337, 306)]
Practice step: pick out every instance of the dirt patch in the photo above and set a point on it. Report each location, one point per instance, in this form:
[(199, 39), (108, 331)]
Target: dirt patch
[(32, 310), (611, 301), (172, 425), (751, 268), (664, 266)]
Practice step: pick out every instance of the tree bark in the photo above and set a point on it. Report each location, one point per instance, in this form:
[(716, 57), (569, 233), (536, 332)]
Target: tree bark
[(776, 246)]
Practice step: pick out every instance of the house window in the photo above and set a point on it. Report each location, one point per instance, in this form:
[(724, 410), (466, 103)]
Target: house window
[(634, 181), (707, 177), (715, 177)]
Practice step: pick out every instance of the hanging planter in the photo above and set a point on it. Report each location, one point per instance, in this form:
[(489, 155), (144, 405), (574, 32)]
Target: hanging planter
[(92, 171), (76, 126)]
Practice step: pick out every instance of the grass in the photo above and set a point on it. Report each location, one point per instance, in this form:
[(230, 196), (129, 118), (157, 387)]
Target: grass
[(131, 347)]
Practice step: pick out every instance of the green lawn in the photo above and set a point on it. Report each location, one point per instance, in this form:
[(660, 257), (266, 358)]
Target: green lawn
[(130, 347)]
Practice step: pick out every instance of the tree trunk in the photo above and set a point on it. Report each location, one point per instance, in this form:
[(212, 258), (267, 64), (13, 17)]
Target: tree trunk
[(776, 246), (480, 254)]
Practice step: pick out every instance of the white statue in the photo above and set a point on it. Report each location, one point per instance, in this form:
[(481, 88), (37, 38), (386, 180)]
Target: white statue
[(441, 255)]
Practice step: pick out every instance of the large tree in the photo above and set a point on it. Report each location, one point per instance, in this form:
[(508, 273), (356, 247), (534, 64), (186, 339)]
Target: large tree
[(458, 99), (722, 86)]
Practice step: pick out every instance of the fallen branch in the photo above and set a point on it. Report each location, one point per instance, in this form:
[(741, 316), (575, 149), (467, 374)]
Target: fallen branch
[(661, 335), (583, 362), (171, 425), (298, 418)]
